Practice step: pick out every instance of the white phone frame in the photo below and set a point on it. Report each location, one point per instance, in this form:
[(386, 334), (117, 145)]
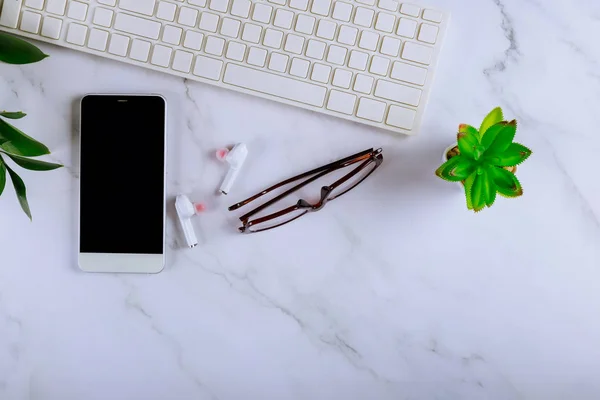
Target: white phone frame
[(117, 262)]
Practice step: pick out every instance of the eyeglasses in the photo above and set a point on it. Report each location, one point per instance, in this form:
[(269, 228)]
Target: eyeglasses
[(368, 160)]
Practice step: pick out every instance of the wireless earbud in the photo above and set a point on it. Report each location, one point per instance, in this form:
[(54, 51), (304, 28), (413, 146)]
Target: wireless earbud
[(185, 211), (235, 158)]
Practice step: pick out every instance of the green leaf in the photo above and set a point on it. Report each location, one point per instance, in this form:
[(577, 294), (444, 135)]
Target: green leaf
[(443, 170), (491, 134), (14, 50), (514, 155), (2, 176), (503, 139), (31, 164), (489, 188), (21, 190), (16, 142), (467, 144), (490, 120), (12, 114), (468, 189), (506, 182), (478, 191), (464, 129)]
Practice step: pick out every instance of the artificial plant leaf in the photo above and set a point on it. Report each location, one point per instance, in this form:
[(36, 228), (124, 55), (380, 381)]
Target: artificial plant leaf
[(506, 182), (503, 139), (463, 129), (2, 176), (31, 164), (491, 134), (478, 191), (16, 142), (514, 155), (467, 144), (12, 114), (444, 170), (468, 186), (489, 188), (20, 189), (14, 50), (461, 169), (490, 120)]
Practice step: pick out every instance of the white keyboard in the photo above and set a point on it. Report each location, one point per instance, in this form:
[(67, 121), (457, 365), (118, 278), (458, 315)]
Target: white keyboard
[(365, 62)]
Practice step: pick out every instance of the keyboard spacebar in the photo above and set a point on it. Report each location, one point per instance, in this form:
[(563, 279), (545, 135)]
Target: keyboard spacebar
[(275, 85)]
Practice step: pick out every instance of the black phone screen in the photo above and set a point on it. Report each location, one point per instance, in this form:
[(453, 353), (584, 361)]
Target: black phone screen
[(122, 174)]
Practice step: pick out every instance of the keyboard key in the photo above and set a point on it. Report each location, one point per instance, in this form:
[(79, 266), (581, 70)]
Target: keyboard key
[(98, 40), (294, 43), (305, 24), (326, 29), (275, 85), (111, 3), (347, 35), (193, 40), (358, 60), (390, 46), (379, 65), (214, 45), (56, 7), (396, 92), (390, 5), (219, 5), (230, 27), (342, 11), (138, 6), (407, 28), (251, 33), (140, 50), (299, 67), (119, 45), (172, 34), (368, 40), (342, 78), (235, 51), (273, 38), (257, 56), (161, 56), (372, 110), (30, 22), (182, 61), (278, 62), (385, 22), (241, 8), (341, 102), (299, 4), (208, 22), (337, 55), (417, 53), (283, 19), (432, 15), (77, 34), (51, 27), (77, 10), (262, 13), (409, 73), (199, 3), (363, 83), (37, 4), (367, 2), (207, 67), (321, 7), (103, 17), (364, 17), (315, 49), (166, 11), (410, 9), (401, 117), (320, 73), (137, 26), (9, 16), (187, 16), (280, 2), (428, 33)]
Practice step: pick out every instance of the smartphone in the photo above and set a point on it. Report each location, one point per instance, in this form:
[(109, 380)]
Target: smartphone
[(122, 183)]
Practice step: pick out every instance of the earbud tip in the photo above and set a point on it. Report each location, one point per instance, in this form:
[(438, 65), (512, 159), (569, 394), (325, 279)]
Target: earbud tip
[(222, 153), (199, 207)]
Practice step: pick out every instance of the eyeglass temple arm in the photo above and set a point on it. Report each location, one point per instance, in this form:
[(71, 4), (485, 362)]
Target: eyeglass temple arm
[(301, 176)]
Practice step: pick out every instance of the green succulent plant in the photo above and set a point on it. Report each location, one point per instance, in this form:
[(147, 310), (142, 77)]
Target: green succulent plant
[(14, 144), (484, 159)]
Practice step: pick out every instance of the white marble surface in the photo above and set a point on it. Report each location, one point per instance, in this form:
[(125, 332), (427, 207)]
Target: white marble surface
[(393, 292)]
